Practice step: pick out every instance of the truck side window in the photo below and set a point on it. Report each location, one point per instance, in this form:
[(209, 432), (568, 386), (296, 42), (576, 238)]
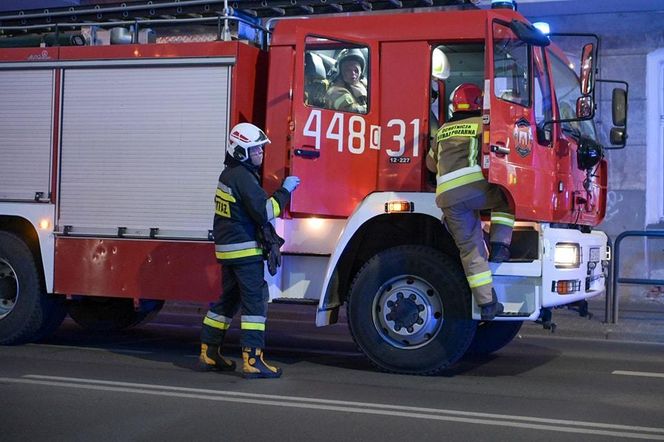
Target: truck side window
[(511, 66), (452, 65), (315, 79), (543, 106), (336, 75)]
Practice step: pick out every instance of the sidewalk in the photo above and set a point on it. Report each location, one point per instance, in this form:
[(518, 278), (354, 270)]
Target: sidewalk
[(639, 320)]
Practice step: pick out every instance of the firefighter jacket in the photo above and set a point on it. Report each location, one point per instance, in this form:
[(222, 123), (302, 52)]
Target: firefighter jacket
[(241, 208), (346, 97), (454, 159)]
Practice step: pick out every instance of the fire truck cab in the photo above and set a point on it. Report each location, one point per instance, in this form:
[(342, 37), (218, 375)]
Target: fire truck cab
[(110, 155)]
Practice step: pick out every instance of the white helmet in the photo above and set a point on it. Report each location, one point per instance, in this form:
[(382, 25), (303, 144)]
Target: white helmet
[(244, 136), (440, 65)]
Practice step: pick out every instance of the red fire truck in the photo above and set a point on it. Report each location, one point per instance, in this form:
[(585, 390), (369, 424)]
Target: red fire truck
[(109, 158)]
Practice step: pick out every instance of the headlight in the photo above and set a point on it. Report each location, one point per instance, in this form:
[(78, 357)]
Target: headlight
[(567, 256)]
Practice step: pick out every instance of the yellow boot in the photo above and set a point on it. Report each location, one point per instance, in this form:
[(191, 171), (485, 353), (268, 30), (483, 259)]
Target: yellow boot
[(255, 367), (210, 359)]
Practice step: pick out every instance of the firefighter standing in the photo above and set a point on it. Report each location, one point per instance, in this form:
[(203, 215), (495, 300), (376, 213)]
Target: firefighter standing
[(348, 91), (462, 191), (242, 210)]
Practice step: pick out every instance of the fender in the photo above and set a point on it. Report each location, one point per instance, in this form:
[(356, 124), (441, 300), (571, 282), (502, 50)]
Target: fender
[(373, 205), (41, 217)]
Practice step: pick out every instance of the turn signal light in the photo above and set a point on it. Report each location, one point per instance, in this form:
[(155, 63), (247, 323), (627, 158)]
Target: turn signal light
[(566, 287), (399, 206)]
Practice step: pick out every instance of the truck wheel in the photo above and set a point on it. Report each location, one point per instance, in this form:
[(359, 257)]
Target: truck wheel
[(410, 311), (491, 336), (111, 314), (27, 313)]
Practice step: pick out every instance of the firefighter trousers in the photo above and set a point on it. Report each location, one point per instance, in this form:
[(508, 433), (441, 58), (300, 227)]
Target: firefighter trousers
[(243, 285), (464, 224)]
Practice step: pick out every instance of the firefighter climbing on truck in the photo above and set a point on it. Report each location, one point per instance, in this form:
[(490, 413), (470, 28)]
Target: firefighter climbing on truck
[(462, 191)]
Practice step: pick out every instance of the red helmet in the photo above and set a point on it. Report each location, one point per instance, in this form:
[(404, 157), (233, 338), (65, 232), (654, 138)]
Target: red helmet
[(467, 97)]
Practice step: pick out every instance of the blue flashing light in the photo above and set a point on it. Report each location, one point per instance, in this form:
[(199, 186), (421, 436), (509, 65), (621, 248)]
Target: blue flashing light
[(247, 31), (503, 4), (543, 27)]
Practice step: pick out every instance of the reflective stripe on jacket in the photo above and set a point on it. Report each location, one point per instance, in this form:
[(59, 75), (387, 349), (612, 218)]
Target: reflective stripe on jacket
[(343, 97), (454, 159), (241, 207)]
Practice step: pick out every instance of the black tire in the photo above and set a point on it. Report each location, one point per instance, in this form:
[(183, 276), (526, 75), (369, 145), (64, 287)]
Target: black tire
[(27, 313), (111, 314), (491, 336), (410, 311)]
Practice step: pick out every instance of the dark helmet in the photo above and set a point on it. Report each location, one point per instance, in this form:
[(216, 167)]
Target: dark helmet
[(351, 54), (467, 97)]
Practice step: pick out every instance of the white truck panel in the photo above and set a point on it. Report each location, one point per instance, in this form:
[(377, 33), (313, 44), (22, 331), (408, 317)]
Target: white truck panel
[(41, 216), (312, 235), (26, 133), (299, 277), (586, 241), (142, 147)]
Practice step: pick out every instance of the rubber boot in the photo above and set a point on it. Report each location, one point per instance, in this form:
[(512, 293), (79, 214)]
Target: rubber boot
[(210, 359), (254, 366), (499, 252), (491, 309)]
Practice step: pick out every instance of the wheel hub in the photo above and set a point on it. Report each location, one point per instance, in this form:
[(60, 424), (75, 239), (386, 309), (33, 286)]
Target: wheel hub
[(408, 313), (8, 289), (405, 312)]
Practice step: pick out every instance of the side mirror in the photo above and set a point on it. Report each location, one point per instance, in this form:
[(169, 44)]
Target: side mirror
[(619, 107), (618, 136), (584, 107), (587, 73), (619, 101)]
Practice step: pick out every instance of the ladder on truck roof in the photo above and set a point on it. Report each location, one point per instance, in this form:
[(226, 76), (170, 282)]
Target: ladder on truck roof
[(144, 9), (30, 27)]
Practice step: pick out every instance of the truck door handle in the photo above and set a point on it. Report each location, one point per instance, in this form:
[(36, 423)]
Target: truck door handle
[(307, 154), (502, 150)]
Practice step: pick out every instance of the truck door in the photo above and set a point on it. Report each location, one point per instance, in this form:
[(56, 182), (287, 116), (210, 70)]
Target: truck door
[(335, 138), (519, 154), (405, 106)]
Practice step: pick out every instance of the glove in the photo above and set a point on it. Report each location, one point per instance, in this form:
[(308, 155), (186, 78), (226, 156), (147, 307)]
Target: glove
[(270, 243), (291, 183), (273, 259)]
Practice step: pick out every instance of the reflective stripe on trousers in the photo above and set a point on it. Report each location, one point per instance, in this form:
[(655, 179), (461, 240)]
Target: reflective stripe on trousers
[(465, 226), (243, 287), (239, 250)]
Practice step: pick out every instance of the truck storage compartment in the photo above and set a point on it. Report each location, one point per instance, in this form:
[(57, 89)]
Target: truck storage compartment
[(26, 128), (142, 148)]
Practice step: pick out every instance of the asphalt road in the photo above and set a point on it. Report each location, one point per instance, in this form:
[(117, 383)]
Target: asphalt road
[(138, 385)]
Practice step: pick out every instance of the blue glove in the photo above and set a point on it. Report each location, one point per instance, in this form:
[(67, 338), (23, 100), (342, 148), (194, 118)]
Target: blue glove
[(291, 183)]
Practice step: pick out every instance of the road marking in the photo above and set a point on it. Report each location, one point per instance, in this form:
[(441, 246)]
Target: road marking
[(113, 350), (638, 373), (476, 418)]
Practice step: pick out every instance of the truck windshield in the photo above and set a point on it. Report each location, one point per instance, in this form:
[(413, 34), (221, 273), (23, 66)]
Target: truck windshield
[(566, 86)]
